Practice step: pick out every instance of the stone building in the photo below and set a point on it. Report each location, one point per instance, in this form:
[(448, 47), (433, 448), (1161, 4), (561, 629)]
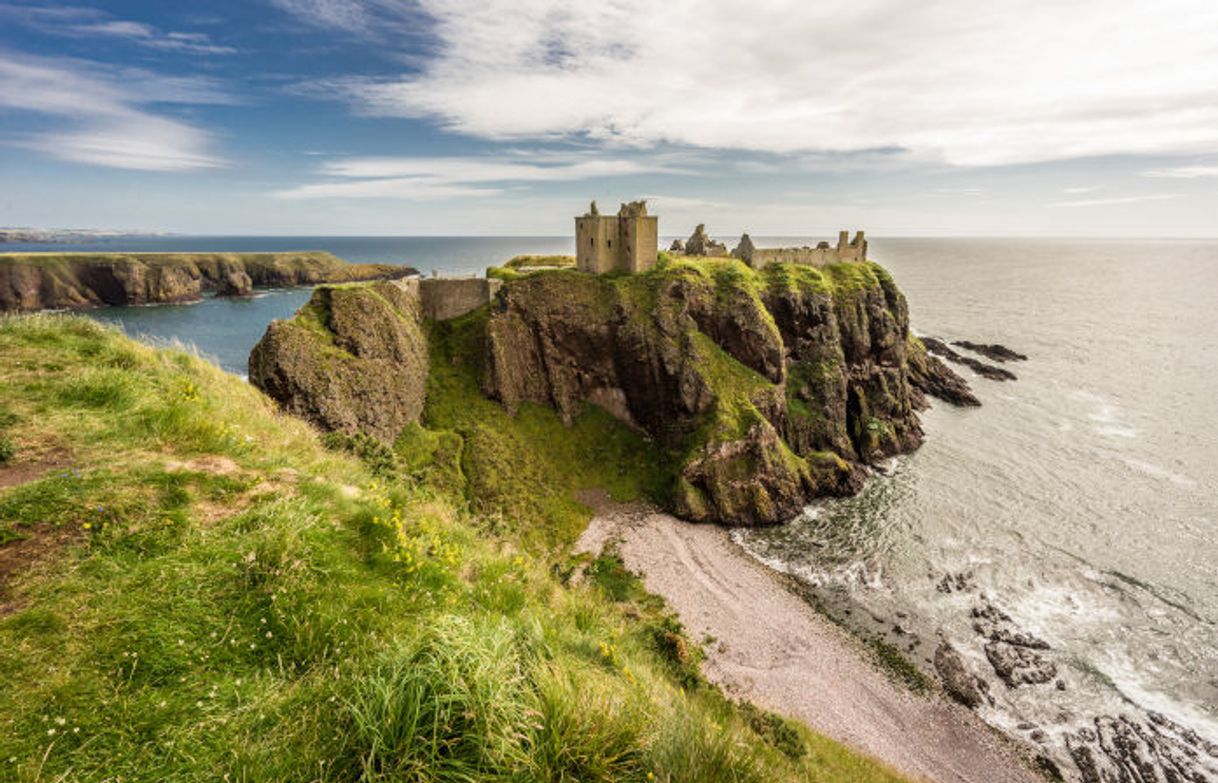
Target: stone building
[(627, 241)]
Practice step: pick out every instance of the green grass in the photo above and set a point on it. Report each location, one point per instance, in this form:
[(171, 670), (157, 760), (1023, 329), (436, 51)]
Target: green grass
[(523, 471), (232, 599)]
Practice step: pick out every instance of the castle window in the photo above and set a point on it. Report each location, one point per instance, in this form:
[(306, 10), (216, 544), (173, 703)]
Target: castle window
[(609, 243), (591, 241)]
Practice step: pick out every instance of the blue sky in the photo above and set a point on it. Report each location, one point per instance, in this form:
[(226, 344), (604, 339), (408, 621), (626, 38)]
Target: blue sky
[(464, 117)]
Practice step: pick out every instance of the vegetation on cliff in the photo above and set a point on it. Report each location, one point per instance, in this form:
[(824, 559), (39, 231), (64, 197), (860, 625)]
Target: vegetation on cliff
[(63, 281), (196, 588), (353, 359), (763, 389)]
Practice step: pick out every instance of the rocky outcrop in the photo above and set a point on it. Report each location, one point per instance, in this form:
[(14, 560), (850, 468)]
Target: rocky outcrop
[(768, 388), (940, 348), (46, 281), (996, 352), (960, 683), (930, 375), (354, 359)]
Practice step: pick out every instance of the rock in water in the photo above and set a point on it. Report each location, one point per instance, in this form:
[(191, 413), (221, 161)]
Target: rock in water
[(999, 353), (961, 684), (929, 374), (354, 359), (235, 283), (989, 371)]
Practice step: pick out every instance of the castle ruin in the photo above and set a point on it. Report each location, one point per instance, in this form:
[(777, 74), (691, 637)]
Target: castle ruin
[(699, 244), (760, 257), (625, 242)]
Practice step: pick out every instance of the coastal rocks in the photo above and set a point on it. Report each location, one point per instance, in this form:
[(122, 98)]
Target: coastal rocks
[(768, 390), (31, 282), (988, 371), (931, 376), (1119, 748), (960, 683), (1014, 655), (354, 359), (1017, 665), (995, 352), (235, 283)]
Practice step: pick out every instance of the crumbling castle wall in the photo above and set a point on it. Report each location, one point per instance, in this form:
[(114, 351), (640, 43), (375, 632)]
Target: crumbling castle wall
[(761, 257)]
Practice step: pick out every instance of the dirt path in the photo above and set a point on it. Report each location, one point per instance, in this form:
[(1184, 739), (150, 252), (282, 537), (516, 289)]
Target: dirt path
[(774, 650)]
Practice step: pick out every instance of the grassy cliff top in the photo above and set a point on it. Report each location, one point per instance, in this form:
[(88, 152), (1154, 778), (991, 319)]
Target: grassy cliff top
[(195, 586)]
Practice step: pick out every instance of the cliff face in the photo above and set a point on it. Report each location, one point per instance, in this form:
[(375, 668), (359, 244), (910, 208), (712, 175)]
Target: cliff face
[(769, 388), (41, 281), (354, 359)]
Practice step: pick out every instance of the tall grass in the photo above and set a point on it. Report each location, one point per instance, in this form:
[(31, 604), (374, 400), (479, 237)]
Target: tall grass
[(221, 597)]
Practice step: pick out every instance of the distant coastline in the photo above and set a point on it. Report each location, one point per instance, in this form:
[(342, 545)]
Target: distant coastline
[(61, 236)]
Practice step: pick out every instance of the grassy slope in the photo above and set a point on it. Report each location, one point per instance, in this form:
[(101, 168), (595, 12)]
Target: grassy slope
[(239, 601)]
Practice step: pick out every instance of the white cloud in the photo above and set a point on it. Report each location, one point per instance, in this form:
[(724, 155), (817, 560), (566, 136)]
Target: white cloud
[(81, 22), (1183, 172), (100, 116), (998, 83), (1080, 189), (416, 177), (1105, 202)]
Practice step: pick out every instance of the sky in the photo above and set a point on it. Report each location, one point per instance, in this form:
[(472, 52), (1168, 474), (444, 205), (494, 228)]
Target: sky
[(465, 117)]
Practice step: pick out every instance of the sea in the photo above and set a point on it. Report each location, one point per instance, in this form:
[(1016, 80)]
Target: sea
[(1081, 499)]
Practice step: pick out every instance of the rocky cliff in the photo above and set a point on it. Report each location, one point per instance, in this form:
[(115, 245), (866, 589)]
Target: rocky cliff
[(354, 359), (761, 390), (768, 388), (43, 281)]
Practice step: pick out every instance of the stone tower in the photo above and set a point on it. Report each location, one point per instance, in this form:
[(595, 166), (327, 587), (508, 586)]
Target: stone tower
[(625, 242)]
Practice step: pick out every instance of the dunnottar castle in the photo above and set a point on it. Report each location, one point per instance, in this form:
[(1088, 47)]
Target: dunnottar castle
[(626, 242), (629, 240)]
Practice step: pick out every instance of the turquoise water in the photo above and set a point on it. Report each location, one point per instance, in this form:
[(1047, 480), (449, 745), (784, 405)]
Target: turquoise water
[(1083, 498), (224, 330)]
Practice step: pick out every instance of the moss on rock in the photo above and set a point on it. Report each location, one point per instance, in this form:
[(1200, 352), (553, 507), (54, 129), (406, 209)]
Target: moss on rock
[(764, 388), (354, 359)]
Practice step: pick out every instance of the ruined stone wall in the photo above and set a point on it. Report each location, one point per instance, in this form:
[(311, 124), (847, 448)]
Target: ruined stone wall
[(813, 256), (448, 297), (846, 250)]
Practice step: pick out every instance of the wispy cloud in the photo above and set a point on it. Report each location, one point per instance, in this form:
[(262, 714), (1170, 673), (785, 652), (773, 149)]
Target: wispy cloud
[(1104, 202), (100, 113), (82, 22), (378, 19), (1078, 190), (1183, 172), (418, 177), (939, 80)]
